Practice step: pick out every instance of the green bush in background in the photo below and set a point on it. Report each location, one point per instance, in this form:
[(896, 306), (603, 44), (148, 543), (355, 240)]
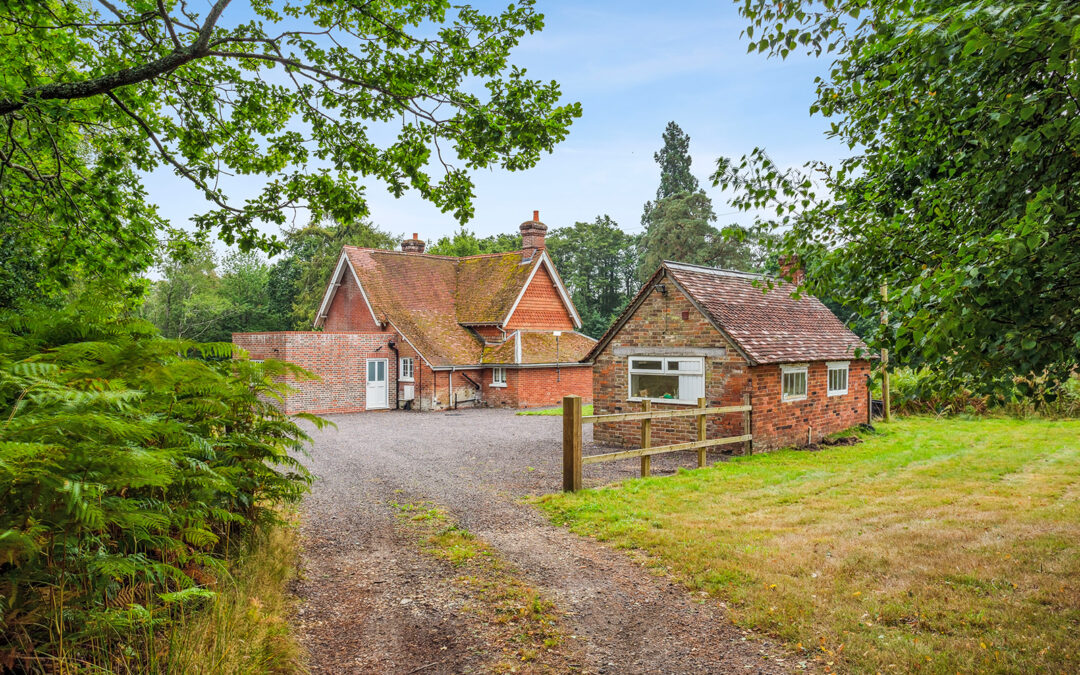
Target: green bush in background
[(130, 465)]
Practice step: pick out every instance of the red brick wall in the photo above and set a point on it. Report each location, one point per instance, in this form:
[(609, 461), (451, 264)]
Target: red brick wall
[(490, 333), (348, 311), (658, 323), (537, 387), (779, 424), (541, 307), (338, 358)]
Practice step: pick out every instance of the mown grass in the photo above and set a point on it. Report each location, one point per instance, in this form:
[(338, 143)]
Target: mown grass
[(937, 546), (244, 628), (586, 409)]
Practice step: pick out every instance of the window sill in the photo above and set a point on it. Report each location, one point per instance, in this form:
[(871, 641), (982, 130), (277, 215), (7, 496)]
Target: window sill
[(673, 401), (792, 399), (838, 393), (499, 385), (406, 379)]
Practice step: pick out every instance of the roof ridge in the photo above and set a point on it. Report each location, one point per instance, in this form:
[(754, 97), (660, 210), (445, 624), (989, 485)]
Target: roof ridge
[(435, 256), (718, 271)]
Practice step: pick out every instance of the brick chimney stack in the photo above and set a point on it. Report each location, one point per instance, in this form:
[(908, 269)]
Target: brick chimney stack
[(414, 245), (532, 233), (791, 266)]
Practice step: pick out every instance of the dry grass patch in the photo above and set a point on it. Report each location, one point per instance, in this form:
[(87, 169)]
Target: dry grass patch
[(938, 546), (244, 628)]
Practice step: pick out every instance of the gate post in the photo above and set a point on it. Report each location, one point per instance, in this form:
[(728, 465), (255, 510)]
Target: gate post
[(571, 443), (748, 423), (702, 403), (646, 439)]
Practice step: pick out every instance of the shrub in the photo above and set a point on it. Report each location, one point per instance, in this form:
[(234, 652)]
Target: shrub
[(129, 465), (922, 391)]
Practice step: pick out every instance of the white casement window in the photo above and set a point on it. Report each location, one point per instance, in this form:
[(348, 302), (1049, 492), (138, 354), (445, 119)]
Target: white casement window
[(838, 376), (679, 379), (792, 383), (498, 377), (405, 370)]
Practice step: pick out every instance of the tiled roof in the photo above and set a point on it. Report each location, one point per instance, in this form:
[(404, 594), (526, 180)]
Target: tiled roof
[(769, 325), (428, 297), (540, 347)]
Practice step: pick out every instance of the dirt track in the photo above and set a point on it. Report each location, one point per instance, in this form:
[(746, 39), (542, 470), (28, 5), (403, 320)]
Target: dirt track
[(372, 602)]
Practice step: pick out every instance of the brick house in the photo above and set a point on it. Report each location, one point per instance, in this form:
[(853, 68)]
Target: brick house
[(429, 332), (697, 331)]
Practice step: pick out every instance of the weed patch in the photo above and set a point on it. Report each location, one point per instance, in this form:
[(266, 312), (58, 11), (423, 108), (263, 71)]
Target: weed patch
[(522, 626)]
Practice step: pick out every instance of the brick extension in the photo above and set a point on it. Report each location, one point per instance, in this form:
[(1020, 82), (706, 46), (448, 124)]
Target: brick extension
[(688, 319)]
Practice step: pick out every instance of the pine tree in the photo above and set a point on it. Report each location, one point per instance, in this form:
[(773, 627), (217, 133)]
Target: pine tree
[(674, 160)]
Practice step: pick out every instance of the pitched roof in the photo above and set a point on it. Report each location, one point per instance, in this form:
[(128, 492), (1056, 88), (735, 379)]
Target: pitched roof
[(428, 298), (766, 324), (534, 346)]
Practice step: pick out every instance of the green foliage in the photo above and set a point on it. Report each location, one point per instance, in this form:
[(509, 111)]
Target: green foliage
[(126, 469), (674, 160), (313, 251), (963, 195), (466, 243), (597, 262), (679, 224), (680, 228), (292, 95)]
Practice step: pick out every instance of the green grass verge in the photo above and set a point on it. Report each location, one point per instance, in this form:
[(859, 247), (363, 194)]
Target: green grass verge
[(936, 546), (585, 410)]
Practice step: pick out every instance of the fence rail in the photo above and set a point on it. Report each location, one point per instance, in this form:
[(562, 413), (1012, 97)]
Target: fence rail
[(573, 421)]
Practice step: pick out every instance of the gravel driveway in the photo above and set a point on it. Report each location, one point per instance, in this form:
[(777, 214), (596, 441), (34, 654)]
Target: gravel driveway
[(372, 602)]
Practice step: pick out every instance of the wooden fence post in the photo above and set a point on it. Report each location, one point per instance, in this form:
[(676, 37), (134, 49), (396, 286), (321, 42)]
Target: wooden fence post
[(701, 403), (571, 443), (646, 439), (748, 423), (869, 402)]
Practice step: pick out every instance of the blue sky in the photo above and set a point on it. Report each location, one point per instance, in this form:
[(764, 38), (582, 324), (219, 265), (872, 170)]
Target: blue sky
[(633, 66)]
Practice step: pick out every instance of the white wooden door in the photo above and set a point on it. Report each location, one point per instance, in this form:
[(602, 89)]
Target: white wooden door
[(376, 384)]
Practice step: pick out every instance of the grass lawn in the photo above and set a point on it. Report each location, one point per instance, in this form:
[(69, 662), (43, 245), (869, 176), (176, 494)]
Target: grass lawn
[(585, 410), (937, 546)]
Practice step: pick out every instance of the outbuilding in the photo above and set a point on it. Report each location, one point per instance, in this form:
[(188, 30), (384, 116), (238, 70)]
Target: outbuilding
[(694, 331)]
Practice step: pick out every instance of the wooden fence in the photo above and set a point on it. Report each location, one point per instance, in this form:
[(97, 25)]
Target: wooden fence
[(573, 421)]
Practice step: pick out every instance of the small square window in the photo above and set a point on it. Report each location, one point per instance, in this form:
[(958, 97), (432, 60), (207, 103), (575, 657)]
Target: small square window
[(498, 377), (838, 378), (792, 383), (405, 372)]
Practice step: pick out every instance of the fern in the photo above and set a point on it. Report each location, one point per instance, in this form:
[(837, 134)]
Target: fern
[(128, 463)]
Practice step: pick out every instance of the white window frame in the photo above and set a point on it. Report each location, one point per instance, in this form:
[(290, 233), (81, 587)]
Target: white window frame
[(795, 369), (631, 371), (837, 366), (406, 364), (498, 377)]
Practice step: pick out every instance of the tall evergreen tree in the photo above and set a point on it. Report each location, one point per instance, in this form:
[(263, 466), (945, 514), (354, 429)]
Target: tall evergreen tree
[(679, 224), (674, 160)]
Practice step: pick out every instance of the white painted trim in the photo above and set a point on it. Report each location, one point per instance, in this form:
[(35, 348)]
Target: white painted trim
[(335, 283), (401, 361), (517, 346), (386, 384), (630, 372), (795, 368), (494, 370), (837, 366), (556, 279)]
